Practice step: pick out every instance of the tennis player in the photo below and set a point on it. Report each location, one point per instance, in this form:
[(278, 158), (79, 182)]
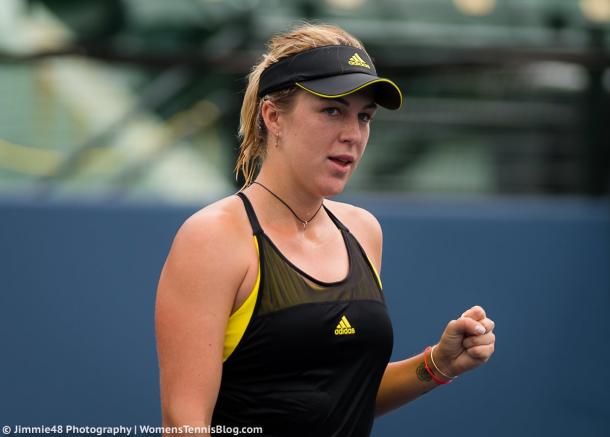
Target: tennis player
[(270, 311)]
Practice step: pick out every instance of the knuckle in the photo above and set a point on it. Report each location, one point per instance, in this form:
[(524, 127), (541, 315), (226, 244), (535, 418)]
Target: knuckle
[(477, 352)]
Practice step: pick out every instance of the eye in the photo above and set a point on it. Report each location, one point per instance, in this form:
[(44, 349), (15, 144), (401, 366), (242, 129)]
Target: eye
[(365, 117), (331, 111)]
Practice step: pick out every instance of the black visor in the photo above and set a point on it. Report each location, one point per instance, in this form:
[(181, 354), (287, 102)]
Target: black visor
[(330, 72)]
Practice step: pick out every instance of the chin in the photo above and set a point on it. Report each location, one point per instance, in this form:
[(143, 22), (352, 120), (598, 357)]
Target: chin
[(334, 189)]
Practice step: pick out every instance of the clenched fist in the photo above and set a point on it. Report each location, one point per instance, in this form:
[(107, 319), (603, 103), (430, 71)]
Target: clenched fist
[(466, 343)]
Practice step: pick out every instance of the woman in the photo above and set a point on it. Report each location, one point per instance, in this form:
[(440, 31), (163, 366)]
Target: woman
[(269, 309)]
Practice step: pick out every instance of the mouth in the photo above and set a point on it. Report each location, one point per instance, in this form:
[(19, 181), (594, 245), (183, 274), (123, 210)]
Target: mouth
[(342, 161)]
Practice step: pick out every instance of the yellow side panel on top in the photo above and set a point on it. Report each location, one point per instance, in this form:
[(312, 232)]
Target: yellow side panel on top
[(239, 320), (375, 270)]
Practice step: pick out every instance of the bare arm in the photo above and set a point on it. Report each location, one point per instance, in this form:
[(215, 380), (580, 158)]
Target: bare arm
[(402, 382), (196, 292)]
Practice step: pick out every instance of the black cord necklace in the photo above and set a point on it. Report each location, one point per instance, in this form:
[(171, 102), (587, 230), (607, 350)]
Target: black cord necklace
[(304, 222)]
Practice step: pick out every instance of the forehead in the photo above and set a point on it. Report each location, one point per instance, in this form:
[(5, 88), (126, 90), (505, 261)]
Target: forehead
[(361, 98)]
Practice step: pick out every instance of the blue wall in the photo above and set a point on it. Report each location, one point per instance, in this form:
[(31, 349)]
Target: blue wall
[(78, 285)]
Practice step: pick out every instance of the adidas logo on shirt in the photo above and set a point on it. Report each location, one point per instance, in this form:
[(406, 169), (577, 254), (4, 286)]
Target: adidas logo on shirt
[(357, 60), (344, 328)]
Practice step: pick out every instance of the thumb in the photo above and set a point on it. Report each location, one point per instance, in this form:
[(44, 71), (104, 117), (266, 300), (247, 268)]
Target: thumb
[(476, 313)]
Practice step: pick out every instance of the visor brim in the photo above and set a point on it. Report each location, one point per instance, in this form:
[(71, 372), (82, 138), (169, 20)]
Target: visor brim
[(386, 92)]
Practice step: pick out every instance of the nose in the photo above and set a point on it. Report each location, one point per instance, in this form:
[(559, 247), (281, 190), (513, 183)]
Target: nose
[(352, 130)]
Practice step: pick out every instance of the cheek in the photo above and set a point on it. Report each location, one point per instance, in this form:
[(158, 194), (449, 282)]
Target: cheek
[(366, 131), (314, 137)]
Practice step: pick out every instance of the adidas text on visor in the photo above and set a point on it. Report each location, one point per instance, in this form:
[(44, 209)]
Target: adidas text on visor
[(330, 72)]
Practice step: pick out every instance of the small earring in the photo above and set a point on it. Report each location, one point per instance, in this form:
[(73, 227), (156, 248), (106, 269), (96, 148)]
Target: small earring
[(277, 140)]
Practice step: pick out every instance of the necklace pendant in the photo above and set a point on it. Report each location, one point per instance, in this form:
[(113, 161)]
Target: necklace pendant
[(305, 222)]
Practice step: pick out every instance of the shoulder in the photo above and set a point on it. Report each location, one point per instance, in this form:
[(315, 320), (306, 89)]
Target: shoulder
[(223, 220), (363, 225), (355, 218), (215, 238)]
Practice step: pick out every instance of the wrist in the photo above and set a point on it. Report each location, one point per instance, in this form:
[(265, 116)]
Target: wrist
[(437, 376), (440, 365)]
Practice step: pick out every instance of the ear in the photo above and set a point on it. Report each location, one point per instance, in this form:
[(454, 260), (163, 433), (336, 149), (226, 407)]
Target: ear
[(270, 115)]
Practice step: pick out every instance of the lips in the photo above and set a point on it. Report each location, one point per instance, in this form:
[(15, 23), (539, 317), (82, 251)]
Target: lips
[(343, 160)]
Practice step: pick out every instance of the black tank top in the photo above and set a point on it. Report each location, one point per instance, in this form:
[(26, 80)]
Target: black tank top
[(312, 356)]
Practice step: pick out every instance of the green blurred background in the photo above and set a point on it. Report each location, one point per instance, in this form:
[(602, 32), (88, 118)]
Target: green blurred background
[(138, 100)]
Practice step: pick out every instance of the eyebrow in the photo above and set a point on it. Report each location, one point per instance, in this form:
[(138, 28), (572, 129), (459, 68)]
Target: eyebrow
[(346, 103)]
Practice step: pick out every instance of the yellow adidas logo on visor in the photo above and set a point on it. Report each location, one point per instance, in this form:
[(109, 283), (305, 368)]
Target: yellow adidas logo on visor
[(357, 60), (344, 328)]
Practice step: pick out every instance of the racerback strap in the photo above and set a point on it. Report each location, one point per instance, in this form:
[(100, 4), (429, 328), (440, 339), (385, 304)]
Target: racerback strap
[(335, 220), (256, 227)]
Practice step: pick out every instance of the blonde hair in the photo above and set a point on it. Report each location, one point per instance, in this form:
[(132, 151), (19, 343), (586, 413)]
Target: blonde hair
[(252, 131)]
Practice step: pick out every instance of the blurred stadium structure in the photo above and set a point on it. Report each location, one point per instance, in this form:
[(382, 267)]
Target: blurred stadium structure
[(139, 99)]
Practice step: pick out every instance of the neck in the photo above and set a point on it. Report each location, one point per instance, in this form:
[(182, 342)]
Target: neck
[(303, 204)]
